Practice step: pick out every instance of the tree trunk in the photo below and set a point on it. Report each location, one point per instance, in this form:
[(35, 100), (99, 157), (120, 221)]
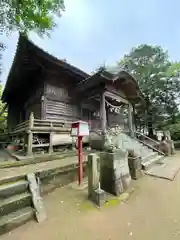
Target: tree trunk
[(150, 129), (173, 119), (134, 118), (149, 118)]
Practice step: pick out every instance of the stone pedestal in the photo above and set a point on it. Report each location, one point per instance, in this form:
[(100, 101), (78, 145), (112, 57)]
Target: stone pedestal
[(169, 142), (93, 174), (99, 197), (171, 146), (165, 148), (114, 172), (135, 167)]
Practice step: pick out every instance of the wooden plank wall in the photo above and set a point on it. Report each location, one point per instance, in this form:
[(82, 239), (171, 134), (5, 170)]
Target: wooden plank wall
[(60, 100), (35, 108), (14, 115), (33, 104), (56, 110)]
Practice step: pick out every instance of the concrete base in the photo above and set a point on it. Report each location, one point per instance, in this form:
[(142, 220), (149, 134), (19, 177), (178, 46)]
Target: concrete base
[(118, 187), (167, 169), (115, 177), (135, 167), (137, 174), (99, 197)]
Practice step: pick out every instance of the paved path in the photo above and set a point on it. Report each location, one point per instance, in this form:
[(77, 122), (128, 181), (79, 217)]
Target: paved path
[(168, 168), (152, 212), (5, 156)]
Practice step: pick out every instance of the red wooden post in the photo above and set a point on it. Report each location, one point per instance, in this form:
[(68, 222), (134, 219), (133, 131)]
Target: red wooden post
[(80, 129), (80, 158)]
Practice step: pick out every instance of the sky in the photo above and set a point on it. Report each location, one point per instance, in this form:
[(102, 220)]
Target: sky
[(93, 32)]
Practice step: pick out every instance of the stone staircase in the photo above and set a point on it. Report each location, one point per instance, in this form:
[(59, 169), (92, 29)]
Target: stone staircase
[(143, 148), (149, 155), (16, 206)]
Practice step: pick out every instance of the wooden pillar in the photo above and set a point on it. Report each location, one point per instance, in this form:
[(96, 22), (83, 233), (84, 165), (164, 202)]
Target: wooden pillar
[(43, 105), (50, 139), (103, 112), (30, 134), (130, 120)]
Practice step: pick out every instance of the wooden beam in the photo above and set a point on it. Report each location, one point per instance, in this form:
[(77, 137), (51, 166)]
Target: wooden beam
[(103, 112), (50, 140), (116, 97), (30, 135), (130, 120), (43, 107)]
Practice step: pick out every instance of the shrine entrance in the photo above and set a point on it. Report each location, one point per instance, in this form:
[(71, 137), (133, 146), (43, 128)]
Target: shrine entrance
[(117, 113), (107, 100)]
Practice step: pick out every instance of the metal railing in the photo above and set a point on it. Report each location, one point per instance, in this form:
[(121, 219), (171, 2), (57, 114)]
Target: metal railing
[(154, 144)]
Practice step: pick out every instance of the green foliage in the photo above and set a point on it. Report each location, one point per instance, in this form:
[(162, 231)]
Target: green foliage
[(158, 79), (174, 131), (148, 64), (3, 114), (27, 15), (172, 91), (2, 47)]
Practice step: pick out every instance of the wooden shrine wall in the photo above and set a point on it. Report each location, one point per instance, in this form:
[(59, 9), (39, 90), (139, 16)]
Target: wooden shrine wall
[(14, 116), (34, 103), (60, 101)]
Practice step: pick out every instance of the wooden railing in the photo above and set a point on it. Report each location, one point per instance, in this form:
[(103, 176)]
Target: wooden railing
[(42, 125), (51, 125), (21, 127)]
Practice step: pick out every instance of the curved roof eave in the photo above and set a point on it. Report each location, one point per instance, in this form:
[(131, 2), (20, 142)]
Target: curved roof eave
[(21, 47), (118, 74), (136, 83)]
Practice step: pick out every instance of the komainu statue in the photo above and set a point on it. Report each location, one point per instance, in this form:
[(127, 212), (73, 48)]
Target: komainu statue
[(169, 141)]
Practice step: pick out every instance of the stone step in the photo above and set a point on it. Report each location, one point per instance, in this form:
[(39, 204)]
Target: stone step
[(148, 164), (145, 147), (145, 152), (15, 219), (11, 179), (14, 203), (140, 149), (149, 156), (9, 189)]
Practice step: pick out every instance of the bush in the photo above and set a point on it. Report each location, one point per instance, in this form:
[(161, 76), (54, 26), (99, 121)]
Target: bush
[(174, 131)]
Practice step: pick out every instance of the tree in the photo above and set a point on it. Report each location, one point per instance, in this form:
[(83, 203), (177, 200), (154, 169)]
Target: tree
[(27, 15), (3, 112), (150, 66), (172, 94), (2, 47)]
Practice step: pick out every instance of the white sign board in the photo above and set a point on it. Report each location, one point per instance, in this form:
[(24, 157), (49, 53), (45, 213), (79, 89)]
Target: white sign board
[(74, 132), (83, 129)]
